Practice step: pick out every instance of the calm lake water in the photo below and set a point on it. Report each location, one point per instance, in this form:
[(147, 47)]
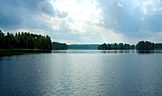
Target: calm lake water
[(81, 73)]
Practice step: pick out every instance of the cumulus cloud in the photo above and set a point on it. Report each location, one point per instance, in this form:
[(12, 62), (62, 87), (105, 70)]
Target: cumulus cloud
[(133, 18)]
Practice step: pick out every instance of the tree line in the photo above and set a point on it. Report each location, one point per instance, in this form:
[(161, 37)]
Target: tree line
[(24, 40), (116, 46), (147, 45), (141, 45), (59, 46)]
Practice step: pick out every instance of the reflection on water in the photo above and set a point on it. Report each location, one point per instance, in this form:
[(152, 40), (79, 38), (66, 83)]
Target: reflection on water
[(107, 51), (148, 51), (118, 51), (62, 73)]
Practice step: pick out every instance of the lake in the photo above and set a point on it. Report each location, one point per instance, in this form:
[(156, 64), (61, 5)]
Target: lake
[(81, 73)]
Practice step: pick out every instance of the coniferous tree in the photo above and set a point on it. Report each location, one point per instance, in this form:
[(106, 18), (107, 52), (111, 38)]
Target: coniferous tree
[(24, 40)]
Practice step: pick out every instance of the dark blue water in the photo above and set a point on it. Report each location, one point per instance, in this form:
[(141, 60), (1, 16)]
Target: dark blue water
[(81, 73)]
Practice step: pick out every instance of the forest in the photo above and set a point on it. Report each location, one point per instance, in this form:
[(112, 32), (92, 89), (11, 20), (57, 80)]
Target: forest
[(59, 46), (115, 46), (147, 45), (24, 40), (141, 45)]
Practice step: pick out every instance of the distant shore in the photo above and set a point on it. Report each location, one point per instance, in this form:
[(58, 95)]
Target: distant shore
[(8, 52)]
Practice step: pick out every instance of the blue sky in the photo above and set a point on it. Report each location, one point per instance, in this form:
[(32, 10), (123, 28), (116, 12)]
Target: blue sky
[(85, 21)]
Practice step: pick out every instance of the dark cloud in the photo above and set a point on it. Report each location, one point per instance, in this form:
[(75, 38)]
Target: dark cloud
[(17, 13), (46, 7), (9, 21)]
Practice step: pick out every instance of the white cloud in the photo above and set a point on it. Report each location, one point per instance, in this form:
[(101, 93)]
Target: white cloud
[(109, 35), (120, 4), (82, 11), (79, 13), (85, 20)]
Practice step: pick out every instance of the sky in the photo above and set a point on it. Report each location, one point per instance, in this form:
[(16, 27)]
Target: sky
[(85, 21)]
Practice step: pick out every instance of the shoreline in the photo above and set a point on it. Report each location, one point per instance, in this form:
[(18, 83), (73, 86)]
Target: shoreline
[(9, 52)]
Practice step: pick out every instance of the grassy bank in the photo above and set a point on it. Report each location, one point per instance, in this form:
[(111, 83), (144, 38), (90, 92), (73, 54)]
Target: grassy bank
[(7, 52)]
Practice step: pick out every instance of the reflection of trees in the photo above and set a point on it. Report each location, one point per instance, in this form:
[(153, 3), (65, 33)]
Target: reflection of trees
[(145, 51), (116, 51)]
